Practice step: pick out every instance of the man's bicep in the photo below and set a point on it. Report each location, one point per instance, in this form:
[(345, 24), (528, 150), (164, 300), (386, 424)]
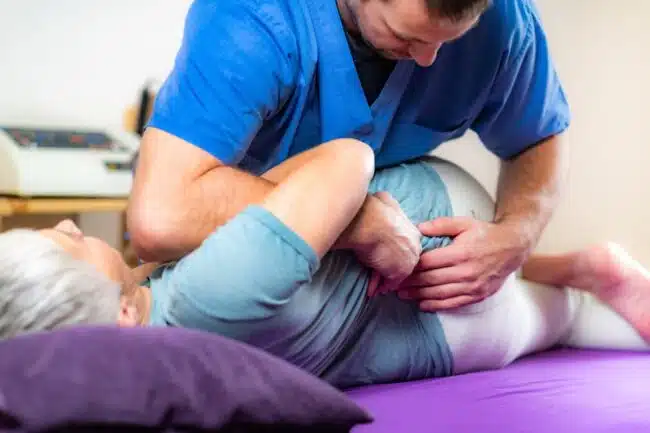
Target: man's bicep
[(233, 70), (162, 154)]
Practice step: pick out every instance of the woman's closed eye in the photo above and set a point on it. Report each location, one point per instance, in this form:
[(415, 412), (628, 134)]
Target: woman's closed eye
[(70, 229)]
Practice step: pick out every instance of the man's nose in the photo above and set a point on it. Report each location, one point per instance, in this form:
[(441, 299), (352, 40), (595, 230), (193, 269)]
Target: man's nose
[(424, 54)]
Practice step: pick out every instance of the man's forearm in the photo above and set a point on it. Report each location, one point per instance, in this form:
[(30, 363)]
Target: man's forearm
[(529, 188), (209, 202)]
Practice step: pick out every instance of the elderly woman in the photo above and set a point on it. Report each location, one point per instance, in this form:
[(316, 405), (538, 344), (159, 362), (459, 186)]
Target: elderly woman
[(270, 277)]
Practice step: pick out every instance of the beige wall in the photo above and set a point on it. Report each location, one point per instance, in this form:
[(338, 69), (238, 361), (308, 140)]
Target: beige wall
[(81, 62), (602, 51)]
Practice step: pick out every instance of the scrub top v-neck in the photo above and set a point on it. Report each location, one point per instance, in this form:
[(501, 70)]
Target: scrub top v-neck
[(344, 108), (259, 81), (373, 69)]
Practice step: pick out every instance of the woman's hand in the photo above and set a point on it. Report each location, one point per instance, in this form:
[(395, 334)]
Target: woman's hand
[(385, 240)]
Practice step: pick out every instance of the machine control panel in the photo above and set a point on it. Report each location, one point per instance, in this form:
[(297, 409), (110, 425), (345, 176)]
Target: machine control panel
[(63, 139)]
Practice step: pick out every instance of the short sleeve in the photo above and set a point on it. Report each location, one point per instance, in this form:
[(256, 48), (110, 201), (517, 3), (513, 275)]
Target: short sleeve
[(527, 102), (236, 67), (243, 273)]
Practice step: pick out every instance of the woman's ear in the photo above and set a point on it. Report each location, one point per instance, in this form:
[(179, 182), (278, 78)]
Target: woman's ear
[(128, 315)]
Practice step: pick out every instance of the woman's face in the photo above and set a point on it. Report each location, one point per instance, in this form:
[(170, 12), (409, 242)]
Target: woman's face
[(92, 250)]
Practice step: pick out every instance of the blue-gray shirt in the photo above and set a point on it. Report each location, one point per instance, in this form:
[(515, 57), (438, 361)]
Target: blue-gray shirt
[(257, 281)]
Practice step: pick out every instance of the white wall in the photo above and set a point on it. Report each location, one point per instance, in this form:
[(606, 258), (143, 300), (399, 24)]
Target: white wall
[(81, 63)]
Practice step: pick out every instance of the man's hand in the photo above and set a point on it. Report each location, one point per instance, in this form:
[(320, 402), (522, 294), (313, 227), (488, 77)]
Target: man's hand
[(385, 240), (473, 267), (483, 254)]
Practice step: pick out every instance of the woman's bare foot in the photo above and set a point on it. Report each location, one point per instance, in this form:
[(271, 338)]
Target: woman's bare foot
[(608, 272)]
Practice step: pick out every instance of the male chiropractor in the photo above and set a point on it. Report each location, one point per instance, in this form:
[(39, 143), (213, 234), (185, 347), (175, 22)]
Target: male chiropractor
[(258, 81)]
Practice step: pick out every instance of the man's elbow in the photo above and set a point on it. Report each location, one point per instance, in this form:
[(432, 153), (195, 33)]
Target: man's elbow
[(151, 234)]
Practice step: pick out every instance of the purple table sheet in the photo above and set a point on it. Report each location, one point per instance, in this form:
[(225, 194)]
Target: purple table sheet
[(564, 391)]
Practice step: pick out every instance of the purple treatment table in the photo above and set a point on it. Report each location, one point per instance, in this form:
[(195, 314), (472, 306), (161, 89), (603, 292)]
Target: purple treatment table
[(562, 391)]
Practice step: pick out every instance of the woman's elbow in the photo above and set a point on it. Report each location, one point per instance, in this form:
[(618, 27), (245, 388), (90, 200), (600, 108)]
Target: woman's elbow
[(355, 156)]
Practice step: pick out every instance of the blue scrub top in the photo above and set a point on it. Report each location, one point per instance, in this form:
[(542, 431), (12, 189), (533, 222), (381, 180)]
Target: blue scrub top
[(258, 81)]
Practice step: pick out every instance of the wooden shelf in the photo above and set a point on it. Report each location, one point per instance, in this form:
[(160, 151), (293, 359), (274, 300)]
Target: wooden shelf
[(5, 207), (18, 206)]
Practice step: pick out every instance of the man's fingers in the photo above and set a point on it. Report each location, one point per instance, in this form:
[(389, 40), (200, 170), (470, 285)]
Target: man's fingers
[(445, 291), (436, 277), (450, 255), (446, 226), (432, 306)]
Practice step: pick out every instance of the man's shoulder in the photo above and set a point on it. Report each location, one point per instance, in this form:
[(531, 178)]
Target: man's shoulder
[(276, 10), (509, 23), (271, 18), (503, 32)]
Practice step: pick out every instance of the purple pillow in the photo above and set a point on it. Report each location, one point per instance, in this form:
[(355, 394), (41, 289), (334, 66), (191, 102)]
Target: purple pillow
[(161, 379)]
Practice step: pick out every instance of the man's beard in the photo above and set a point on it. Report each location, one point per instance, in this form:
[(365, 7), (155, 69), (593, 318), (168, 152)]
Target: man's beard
[(356, 38)]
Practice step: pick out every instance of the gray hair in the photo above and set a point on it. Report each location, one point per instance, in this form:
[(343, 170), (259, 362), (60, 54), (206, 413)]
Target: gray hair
[(43, 287)]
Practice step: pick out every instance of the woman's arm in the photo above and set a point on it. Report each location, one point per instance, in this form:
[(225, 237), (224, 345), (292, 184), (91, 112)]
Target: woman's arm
[(381, 235), (319, 192), (250, 267)]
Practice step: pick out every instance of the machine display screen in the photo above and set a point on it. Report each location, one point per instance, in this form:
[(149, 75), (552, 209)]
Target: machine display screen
[(61, 139)]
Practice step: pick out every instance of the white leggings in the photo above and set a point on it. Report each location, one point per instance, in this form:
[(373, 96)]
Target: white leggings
[(523, 317)]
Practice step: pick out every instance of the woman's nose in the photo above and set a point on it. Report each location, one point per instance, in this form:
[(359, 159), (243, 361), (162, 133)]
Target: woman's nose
[(68, 226)]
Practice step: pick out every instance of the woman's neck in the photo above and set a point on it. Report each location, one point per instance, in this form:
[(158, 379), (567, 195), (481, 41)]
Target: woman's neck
[(142, 301)]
